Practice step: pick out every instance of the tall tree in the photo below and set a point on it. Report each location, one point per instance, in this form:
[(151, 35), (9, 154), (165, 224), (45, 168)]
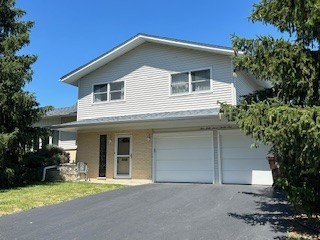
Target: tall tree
[(287, 115), (18, 109)]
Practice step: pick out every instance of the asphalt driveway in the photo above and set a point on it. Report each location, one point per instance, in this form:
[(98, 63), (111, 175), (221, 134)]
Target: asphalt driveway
[(158, 211)]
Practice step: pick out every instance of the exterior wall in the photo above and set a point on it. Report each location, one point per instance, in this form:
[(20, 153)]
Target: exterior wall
[(73, 155), (67, 140), (146, 72), (243, 86), (88, 151)]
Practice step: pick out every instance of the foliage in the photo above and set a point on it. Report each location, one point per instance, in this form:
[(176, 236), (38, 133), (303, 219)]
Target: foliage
[(18, 109), (33, 163), (285, 116)]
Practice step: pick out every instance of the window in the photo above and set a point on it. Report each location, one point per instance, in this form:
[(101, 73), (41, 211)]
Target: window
[(116, 91), (200, 80), (179, 83), (108, 92), (188, 82), (100, 93)]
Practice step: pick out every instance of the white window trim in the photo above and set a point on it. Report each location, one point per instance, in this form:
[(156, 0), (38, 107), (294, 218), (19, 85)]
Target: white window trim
[(190, 82), (108, 93)]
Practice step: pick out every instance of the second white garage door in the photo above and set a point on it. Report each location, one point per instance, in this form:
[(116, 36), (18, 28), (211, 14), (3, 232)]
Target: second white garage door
[(183, 157), (240, 163)]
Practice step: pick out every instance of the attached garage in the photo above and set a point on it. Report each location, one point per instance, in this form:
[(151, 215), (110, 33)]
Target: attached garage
[(241, 164), (183, 157)]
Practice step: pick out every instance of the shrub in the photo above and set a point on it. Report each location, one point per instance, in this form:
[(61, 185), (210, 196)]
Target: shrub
[(34, 162)]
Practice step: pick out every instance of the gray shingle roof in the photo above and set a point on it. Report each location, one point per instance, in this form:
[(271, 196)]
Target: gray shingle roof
[(143, 117), (65, 111)]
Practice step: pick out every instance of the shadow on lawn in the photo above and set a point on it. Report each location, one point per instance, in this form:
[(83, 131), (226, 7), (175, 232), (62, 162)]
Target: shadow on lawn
[(272, 209)]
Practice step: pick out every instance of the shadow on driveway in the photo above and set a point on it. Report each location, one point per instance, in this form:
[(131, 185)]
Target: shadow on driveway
[(272, 209)]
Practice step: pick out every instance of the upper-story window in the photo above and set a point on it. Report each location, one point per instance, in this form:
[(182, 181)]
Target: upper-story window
[(192, 81), (108, 92)]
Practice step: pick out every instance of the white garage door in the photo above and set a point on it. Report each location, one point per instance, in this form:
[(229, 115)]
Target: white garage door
[(184, 157), (242, 164)]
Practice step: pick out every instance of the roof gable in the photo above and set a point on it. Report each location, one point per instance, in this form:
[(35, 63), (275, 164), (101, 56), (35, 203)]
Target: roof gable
[(132, 43)]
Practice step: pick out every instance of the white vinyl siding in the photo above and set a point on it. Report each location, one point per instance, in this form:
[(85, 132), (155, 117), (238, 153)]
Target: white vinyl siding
[(146, 71), (243, 86), (68, 140)]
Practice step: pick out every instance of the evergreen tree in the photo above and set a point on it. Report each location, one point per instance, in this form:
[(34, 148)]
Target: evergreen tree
[(18, 109), (287, 115)]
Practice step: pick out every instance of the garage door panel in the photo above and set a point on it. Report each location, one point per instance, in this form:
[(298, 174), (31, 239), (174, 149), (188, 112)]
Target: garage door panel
[(244, 153), (236, 141), (238, 177), (186, 165), (185, 176), (182, 142), (182, 154), (184, 157), (243, 164)]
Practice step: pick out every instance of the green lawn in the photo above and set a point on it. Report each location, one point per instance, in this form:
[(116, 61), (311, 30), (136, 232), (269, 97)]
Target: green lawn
[(24, 198)]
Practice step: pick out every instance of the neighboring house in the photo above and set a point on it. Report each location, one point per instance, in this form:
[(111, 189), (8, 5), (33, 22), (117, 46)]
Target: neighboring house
[(148, 109), (65, 140)]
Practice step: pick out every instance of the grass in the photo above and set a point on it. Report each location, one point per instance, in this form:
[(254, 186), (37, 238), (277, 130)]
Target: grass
[(25, 198)]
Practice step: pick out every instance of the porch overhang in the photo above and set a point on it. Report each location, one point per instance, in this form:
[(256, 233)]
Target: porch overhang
[(201, 118)]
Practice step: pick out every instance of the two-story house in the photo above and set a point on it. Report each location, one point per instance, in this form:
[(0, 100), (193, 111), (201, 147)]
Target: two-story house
[(148, 109)]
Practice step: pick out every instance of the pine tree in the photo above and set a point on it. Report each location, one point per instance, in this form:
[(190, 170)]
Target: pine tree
[(18, 109), (285, 116)]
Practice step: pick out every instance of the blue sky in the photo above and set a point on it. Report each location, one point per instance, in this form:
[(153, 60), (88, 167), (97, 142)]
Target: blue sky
[(69, 33)]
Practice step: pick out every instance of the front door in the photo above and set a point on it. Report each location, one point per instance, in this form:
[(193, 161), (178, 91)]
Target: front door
[(123, 157)]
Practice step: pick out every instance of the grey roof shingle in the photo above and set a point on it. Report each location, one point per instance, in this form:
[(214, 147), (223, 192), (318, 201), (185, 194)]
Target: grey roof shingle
[(143, 117), (65, 111)]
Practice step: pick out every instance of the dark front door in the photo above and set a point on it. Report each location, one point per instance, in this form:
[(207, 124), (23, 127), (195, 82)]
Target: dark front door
[(103, 156)]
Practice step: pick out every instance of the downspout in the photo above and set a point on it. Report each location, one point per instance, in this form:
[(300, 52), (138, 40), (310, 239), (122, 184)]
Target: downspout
[(45, 171)]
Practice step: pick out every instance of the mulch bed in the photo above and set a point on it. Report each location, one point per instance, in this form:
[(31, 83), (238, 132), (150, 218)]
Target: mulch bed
[(305, 228), (312, 223)]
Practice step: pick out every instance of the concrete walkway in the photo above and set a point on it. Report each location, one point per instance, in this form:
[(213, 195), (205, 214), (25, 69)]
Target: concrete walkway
[(158, 211), (128, 182)]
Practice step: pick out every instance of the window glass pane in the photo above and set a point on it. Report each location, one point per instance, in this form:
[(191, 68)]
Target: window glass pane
[(179, 78), (180, 88), (116, 95), (200, 80), (124, 146), (100, 88), (201, 86), (100, 97), (179, 83), (117, 86), (200, 75)]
